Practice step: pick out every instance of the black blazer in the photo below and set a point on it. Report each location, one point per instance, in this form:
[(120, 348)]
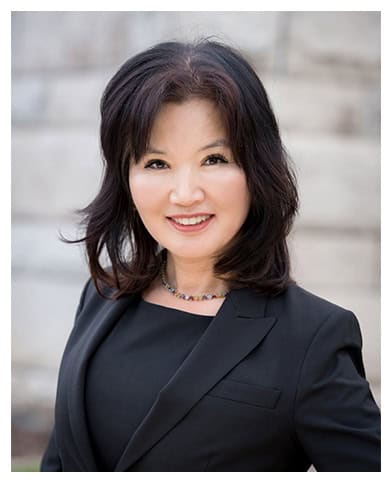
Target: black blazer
[(274, 384)]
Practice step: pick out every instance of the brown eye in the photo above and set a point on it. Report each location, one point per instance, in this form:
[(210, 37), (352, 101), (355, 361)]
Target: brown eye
[(212, 160), (155, 164)]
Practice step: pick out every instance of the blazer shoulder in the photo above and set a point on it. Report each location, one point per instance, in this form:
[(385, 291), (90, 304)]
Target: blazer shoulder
[(300, 298), (92, 302), (305, 311)]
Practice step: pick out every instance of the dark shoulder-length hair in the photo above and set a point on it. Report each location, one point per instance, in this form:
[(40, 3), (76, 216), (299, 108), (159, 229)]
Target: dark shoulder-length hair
[(257, 257)]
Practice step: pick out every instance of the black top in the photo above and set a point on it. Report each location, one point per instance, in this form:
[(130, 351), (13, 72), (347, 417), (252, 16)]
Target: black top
[(275, 383), (133, 363)]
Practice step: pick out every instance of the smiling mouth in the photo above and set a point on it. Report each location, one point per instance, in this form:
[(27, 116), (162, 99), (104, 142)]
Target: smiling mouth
[(191, 221), (191, 224)]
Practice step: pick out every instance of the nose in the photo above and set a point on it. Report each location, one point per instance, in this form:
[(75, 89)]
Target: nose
[(186, 189)]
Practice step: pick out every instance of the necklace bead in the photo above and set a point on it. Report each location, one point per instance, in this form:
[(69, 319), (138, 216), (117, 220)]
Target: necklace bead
[(176, 293)]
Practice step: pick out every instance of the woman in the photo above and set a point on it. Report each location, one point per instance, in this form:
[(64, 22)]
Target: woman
[(196, 351)]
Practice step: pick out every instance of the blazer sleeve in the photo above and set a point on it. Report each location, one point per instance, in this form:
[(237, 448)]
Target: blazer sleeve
[(336, 418), (51, 459)]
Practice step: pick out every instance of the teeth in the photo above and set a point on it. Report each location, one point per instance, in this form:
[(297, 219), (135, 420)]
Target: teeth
[(191, 221)]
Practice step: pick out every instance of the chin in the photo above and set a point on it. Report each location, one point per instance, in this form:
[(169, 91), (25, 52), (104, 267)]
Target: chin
[(191, 252)]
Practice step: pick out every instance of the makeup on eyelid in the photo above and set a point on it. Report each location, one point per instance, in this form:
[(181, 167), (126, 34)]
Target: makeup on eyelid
[(219, 157)]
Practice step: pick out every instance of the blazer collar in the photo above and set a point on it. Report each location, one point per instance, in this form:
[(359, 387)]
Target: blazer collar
[(238, 327), (105, 314)]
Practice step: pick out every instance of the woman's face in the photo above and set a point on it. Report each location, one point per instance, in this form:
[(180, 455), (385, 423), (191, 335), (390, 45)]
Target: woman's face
[(190, 194)]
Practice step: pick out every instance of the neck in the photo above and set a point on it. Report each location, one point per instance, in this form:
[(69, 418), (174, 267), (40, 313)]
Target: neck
[(193, 276)]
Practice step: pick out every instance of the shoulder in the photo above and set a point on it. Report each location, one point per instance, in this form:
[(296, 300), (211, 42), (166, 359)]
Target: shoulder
[(90, 296), (299, 300), (305, 315), (93, 303)]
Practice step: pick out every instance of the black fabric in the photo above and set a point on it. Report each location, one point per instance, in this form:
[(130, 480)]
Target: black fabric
[(272, 384), (129, 368)]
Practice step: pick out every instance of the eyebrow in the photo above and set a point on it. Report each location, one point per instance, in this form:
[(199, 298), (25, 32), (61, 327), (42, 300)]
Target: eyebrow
[(214, 144)]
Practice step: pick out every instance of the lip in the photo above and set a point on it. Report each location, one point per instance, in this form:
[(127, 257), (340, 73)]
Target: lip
[(192, 215), (191, 228)]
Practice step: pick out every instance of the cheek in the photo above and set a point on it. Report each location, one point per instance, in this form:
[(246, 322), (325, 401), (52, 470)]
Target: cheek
[(232, 192), (145, 192)]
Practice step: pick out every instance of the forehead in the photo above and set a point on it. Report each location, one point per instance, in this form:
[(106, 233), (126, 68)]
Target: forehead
[(189, 119)]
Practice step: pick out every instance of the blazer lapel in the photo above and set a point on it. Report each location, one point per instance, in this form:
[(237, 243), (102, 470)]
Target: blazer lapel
[(238, 327), (75, 372)]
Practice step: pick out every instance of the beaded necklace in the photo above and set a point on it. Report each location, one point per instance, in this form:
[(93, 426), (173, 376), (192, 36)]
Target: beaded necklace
[(173, 291)]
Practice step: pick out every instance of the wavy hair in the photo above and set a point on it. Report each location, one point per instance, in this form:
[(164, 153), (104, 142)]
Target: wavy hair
[(257, 257)]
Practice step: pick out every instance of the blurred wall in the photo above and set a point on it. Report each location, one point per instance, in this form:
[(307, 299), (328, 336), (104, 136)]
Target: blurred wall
[(322, 72)]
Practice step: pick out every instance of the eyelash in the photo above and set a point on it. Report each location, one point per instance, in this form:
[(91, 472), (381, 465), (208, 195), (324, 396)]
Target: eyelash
[(150, 163)]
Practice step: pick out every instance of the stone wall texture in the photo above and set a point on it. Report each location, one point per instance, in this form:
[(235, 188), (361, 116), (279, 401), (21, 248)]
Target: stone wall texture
[(322, 73)]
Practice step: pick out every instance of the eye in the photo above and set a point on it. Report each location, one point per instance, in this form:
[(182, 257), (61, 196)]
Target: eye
[(215, 159), (155, 164)]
